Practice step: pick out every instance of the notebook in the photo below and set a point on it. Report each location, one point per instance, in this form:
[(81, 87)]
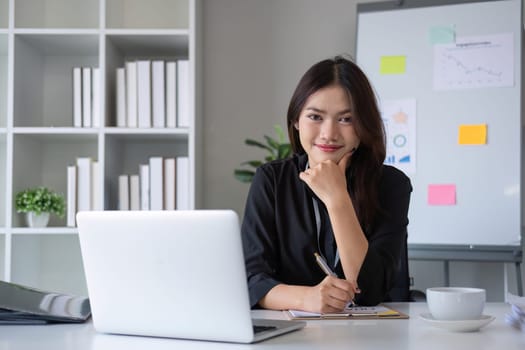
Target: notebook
[(177, 274), (362, 312)]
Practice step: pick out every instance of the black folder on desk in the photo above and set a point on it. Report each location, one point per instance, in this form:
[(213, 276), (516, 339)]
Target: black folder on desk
[(25, 305)]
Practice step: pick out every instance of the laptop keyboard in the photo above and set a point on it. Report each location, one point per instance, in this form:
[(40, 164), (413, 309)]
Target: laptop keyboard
[(259, 329)]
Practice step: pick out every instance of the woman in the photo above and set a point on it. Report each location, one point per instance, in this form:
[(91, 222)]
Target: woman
[(333, 197)]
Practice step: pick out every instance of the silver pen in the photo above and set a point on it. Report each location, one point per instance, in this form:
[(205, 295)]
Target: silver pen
[(328, 271), (324, 265)]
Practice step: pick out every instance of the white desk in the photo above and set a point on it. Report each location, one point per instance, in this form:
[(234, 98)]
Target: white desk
[(413, 333)]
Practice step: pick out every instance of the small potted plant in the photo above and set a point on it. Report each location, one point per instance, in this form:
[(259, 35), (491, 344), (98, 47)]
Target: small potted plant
[(38, 203)]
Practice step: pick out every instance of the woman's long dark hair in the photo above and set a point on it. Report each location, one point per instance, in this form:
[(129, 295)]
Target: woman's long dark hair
[(367, 160)]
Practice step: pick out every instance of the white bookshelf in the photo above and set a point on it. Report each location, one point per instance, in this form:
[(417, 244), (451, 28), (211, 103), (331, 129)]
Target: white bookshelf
[(4, 14), (40, 43), (4, 44)]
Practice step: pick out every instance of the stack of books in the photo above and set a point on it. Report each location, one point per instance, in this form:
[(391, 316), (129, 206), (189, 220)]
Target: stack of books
[(86, 97), (83, 188), (162, 184), (153, 93)]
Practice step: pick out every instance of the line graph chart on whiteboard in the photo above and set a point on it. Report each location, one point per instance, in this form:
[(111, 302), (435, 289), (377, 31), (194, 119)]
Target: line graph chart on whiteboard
[(475, 62)]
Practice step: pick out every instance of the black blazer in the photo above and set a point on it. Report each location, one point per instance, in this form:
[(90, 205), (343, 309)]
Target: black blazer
[(280, 236)]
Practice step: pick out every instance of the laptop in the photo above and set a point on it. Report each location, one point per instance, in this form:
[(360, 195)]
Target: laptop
[(176, 274)]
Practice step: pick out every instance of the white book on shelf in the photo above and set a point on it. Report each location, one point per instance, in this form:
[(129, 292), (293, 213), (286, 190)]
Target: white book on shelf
[(134, 192), (156, 200), (131, 94), (84, 173), (95, 97), (144, 93), (123, 192), (144, 186), (77, 97), (71, 195), (171, 94), (169, 184), (183, 93), (96, 191), (183, 183), (121, 97), (86, 97), (158, 93)]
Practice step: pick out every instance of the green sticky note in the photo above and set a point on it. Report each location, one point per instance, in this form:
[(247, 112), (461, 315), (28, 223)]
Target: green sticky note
[(392, 65), (442, 35)]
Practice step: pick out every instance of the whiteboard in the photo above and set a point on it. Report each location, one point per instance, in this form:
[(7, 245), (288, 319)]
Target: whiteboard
[(464, 193)]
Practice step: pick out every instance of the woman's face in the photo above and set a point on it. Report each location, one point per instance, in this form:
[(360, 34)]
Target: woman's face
[(325, 125)]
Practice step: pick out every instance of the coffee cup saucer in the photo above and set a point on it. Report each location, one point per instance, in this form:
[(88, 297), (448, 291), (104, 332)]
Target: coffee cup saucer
[(458, 325)]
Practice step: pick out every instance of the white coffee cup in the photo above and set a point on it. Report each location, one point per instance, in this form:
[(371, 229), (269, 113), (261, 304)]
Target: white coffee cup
[(456, 303)]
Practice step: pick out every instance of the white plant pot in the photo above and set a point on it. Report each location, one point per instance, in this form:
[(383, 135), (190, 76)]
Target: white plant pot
[(34, 220)]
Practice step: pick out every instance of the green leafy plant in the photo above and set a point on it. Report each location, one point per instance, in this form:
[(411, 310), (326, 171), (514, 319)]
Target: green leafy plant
[(40, 200), (275, 148)]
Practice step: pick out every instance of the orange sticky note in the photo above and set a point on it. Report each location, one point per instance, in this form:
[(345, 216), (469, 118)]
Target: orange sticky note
[(442, 194), (392, 65), (472, 134)]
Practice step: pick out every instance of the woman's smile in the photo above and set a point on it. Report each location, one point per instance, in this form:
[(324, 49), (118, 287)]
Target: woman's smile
[(328, 148)]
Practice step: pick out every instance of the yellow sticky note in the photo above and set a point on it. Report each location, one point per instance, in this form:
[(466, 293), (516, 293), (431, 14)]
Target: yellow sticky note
[(473, 134), (392, 65)]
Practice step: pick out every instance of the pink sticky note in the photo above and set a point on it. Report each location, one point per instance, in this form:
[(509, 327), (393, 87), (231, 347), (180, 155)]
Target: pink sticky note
[(442, 194)]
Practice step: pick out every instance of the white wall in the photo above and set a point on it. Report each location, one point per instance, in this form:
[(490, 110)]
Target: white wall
[(255, 51)]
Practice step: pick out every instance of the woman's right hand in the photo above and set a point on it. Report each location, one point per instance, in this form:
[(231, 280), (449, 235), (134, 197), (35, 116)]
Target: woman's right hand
[(331, 295)]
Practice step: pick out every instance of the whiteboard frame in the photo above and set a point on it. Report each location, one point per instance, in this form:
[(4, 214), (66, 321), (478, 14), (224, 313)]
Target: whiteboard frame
[(465, 252)]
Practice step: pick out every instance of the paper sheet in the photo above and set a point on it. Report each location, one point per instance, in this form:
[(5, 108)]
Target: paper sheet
[(516, 316), (475, 62), (399, 119)]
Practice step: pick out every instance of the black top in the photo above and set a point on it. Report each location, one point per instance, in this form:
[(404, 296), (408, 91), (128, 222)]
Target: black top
[(280, 234)]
